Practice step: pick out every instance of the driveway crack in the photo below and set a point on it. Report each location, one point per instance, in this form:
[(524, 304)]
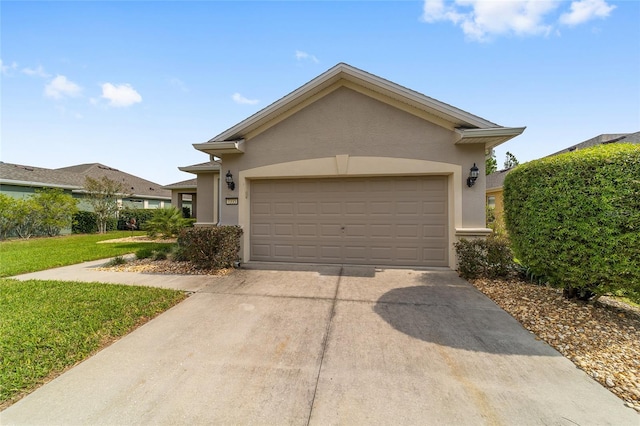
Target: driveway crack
[(325, 342)]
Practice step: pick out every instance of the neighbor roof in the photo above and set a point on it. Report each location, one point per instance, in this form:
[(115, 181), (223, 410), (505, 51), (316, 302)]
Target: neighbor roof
[(602, 140), (496, 179), (73, 178), (346, 75)]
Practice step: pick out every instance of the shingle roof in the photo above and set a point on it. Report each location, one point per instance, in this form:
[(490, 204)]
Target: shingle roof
[(190, 183), (73, 177), (496, 179), (602, 139)]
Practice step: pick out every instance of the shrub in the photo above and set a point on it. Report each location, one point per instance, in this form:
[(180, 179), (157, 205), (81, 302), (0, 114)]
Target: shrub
[(485, 258), (575, 219), (166, 223), (118, 260), (141, 216), (55, 210), (216, 247), (156, 252), (87, 223), (144, 253)]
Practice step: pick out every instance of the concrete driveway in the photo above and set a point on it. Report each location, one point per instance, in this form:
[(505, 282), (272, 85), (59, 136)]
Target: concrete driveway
[(327, 345)]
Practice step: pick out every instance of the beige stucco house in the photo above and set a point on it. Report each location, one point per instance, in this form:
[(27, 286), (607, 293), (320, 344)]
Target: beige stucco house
[(349, 168)]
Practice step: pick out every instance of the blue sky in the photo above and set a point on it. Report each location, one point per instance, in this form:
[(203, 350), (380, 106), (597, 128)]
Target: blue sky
[(133, 84)]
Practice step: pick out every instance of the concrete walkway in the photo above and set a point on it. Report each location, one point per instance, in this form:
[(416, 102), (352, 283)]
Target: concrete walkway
[(321, 346)]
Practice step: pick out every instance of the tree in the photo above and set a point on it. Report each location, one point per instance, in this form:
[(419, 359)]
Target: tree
[(7, 215), (491, 165), (103, 196), (55, 210), (510, 161), (26, 217)]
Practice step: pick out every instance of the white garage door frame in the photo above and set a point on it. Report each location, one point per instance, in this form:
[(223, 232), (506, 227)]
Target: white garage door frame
[(353, 166)]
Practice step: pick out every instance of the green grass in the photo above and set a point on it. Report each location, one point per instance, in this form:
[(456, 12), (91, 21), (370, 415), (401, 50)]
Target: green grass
[(48, 326), (37, 254)]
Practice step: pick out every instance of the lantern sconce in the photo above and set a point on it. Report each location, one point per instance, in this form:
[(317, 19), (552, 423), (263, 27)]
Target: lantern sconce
[(473, 175), (229, 179)]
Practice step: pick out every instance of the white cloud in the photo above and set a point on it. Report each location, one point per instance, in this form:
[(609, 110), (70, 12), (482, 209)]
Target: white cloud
[(239, 99), (37, 72), (586, 10), (6, 69), (304, 56), (176, 82), (122, 95), (483, 19), (60, 87)]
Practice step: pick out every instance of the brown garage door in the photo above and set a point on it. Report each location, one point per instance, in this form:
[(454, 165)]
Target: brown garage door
[(369, 221)]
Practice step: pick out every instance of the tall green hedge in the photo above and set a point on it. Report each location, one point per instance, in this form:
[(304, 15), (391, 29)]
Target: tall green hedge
[(87, 223), (575, 219)]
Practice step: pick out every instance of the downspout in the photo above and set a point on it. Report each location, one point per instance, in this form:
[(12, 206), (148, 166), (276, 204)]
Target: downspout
[(219, 161)]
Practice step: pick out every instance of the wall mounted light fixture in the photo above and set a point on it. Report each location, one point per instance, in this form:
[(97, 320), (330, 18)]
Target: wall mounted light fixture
[(473, 175), (229, 179)]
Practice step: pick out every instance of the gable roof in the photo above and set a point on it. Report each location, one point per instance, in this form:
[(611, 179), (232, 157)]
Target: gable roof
[(73, 177), (344, 75)]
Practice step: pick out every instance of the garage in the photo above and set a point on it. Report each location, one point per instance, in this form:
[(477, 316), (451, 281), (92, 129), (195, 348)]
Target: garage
[(386, 221)]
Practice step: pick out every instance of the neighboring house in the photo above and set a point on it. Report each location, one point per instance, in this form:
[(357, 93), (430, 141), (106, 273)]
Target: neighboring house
[(350, 168), (495, 181), (20, 181)]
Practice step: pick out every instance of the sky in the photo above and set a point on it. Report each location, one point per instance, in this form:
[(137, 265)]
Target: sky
[(133, 85)]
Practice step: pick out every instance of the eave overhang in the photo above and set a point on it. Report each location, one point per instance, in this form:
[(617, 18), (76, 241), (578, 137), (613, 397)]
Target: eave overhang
[(36, 184), (201, 168), (218, 148), (489, 137)]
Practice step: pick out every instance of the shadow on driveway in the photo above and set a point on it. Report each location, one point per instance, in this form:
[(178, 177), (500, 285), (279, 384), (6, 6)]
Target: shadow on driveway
[(456, 315)]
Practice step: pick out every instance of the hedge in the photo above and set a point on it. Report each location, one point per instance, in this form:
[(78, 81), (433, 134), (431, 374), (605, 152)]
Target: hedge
[(87, 223), (215, 247), (575, 219), (140, 215)]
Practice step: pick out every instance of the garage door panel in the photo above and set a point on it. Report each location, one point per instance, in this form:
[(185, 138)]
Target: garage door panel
[(307, 208), (383, 221)]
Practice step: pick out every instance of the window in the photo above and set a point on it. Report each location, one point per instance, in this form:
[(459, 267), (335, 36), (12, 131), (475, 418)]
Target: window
[(491, 201)]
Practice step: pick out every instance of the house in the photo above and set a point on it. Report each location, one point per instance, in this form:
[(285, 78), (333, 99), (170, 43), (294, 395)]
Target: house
[(495, 181), (350, 168), (20, 181)]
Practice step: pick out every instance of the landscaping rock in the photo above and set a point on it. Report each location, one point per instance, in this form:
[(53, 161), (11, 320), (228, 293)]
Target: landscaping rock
[(601, 339)]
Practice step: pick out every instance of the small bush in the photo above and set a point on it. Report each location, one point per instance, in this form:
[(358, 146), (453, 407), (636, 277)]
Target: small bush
[(216, 247), (485, 258), (156, 252), (144, 253), (118, 260)]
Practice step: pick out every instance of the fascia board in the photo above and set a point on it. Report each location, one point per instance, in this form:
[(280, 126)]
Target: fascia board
[(491, 132), (221, 147)]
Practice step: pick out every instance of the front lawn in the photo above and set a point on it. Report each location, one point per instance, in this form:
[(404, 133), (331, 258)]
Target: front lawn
[(48, 326), (37, 254)]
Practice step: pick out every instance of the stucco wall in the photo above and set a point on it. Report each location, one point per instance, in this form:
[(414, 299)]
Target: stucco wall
[(207, 205), (346, 122)]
